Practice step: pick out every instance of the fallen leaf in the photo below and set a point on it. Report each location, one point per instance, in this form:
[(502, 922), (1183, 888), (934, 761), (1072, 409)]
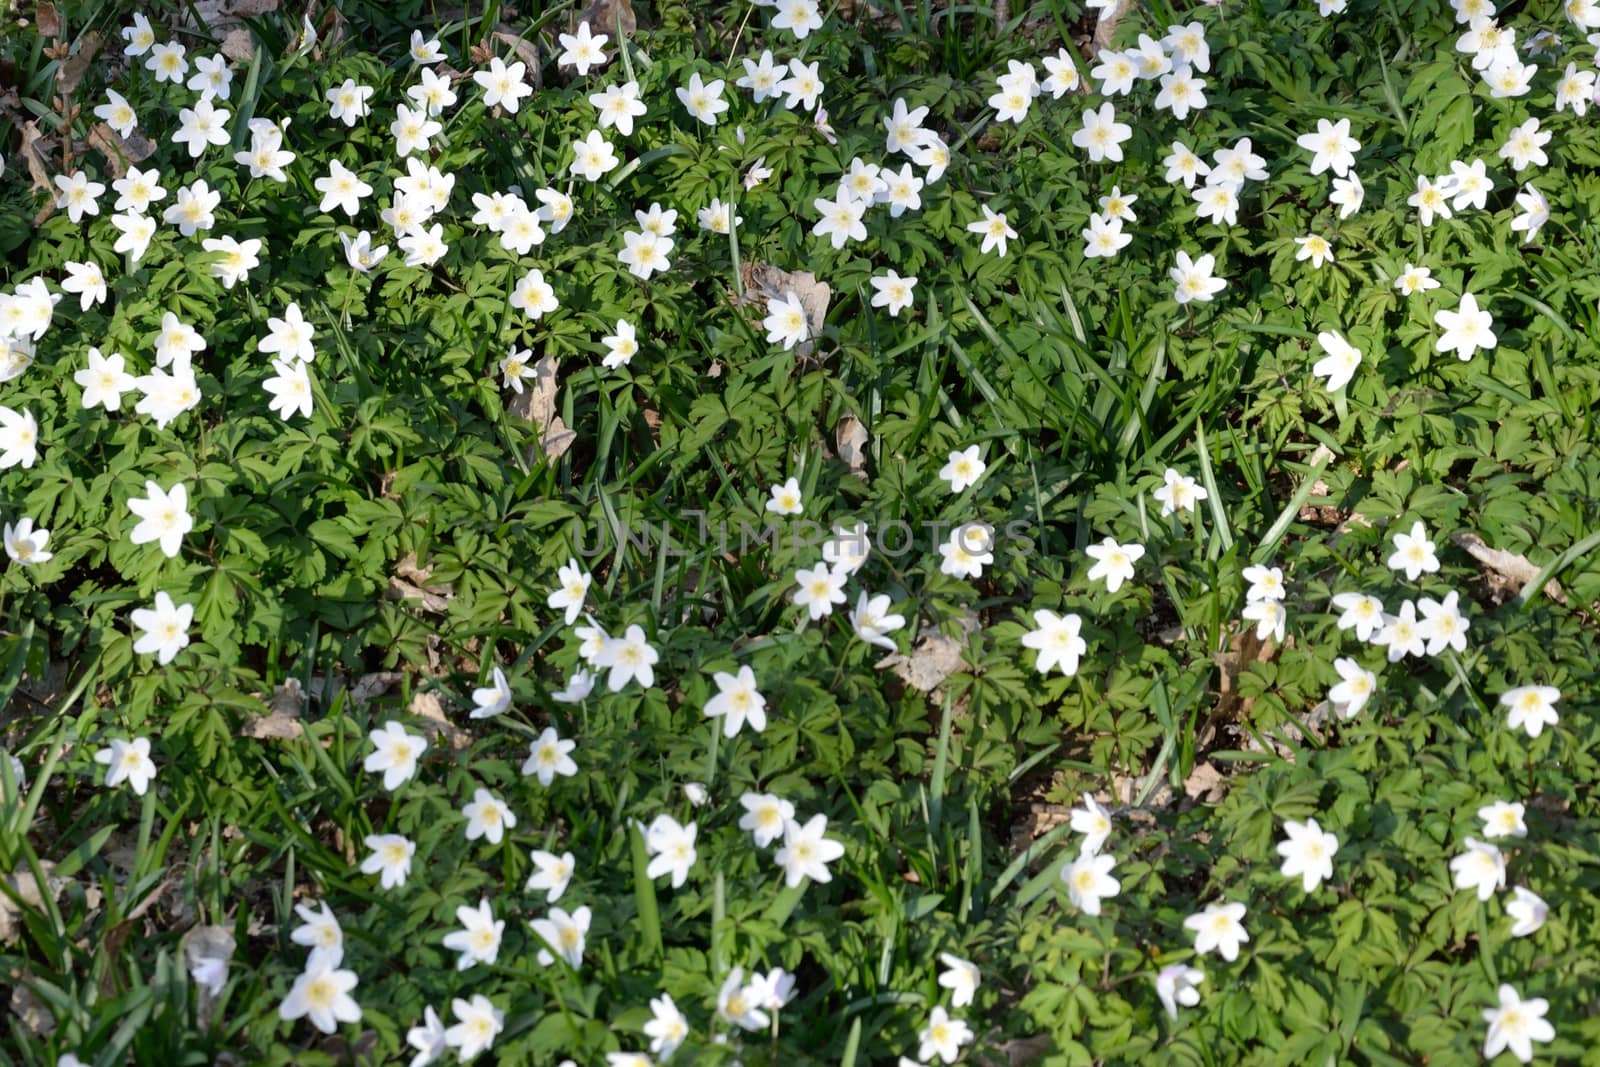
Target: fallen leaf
[(1320, 457), (1517, 570), (1106, 26), (70, 73), (1289, 736), (406, 567), (763, 282), (934, 658), (1126, 790), (878, 17), (1355, 519), (526, 50), (1205, 783), (214, 16), (36, 153), (207, 14), (207, 946), (1034, 821), (43, 690), (117, 150), (325, 688), (47, 20), (332, 31), (399, 589), (27, 890), (1021, 1051), (282, 721), (31, 1011), (122, 852), (850, 438), (537, 403), (239, 45), (371, 686), (1244, 651), (411, 582), (362, 1051), (425, 704), (171, 886), (608, 16)]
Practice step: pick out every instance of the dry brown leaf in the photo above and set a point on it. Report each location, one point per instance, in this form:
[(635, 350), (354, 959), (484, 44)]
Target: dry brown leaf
[(1036, 819), (208, 14), (121, 852), (214, 16), (43, 690), (1021, 1051), (411, 582), (171, 885), (288, 698), (36, 148), (1106, 27), (325, 688), (407, 567), (1205, 783), (371, 686), (850, 438), (1243, 651), (119, 151), (70, 73), (282, 721), (363, 1051), (206, 947), (31, 1011), (237, 44), (537, 403), (1355, 519), (603, 15), (273, 728), (933, 659), (47, 20), (27, 889), (200, 943), (399, 589), (1125, 790), (1291, 735), (425, 704), (527, 51), (1321, 456), (332, 30), (850, 10), (1517, 570), (763, 282)]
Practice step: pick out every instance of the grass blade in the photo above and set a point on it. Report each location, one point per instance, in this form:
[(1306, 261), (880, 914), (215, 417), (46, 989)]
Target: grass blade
[(644, 895)]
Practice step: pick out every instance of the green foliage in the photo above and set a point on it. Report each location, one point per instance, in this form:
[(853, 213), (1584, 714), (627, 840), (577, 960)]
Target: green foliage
[(378, 560)]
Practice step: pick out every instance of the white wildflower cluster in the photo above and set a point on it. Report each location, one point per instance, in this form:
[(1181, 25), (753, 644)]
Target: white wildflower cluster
[(388, 193)]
